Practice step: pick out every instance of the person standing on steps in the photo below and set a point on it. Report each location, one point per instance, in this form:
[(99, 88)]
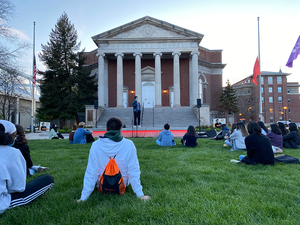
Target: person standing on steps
[(136, 111)]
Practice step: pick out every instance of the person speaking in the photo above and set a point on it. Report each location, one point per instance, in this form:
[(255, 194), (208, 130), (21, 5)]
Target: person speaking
[(136, 111)]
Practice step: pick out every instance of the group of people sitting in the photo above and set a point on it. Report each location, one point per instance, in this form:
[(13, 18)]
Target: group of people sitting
[(166, 137), (77, 135), (13, 145), (260, 142)]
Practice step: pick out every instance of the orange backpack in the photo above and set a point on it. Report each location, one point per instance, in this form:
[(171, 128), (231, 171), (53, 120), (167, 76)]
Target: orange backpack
[(111, 181)]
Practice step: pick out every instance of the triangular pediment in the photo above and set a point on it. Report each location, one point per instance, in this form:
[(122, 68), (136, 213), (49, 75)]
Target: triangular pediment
[(147, 28)]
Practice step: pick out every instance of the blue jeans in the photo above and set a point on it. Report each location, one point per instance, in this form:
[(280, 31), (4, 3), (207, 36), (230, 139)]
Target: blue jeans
[(241, 157)]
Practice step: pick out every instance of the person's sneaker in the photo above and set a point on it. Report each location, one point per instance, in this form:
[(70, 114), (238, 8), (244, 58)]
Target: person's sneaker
[(42, 169), (235, 161), (232, 149), (225, 145)]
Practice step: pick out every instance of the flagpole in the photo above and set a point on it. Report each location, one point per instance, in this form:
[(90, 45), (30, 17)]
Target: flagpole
[(32, 91), (259, 60)]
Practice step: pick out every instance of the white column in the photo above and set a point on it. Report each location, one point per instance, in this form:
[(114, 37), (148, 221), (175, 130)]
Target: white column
[(101, 83), (194, 77), (158, 90), (176, 79), (119, 79), (138, 74)]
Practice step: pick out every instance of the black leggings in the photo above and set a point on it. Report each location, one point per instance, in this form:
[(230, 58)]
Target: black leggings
[(34, 189)]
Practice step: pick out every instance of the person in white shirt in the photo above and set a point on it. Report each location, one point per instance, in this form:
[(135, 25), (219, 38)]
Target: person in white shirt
[(13, 188), (110, 145), (237, 138)]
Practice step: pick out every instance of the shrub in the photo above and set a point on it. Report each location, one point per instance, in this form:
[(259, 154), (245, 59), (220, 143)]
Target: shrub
[(69, 130), (62, 131)]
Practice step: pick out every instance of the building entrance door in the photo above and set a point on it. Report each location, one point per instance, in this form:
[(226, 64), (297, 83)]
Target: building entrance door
[(148, 94), (125, 99)]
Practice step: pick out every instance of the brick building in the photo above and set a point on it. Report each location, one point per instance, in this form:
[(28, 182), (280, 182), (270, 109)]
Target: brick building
[(280, 99), (159, 62)]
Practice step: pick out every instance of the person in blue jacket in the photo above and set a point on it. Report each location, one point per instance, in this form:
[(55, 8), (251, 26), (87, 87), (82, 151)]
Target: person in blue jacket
[(80, 136), (137, 111), (166, 138)]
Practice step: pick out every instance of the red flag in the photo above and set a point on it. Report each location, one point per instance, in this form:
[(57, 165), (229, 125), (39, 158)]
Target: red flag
[(34, 71), (256, 70)]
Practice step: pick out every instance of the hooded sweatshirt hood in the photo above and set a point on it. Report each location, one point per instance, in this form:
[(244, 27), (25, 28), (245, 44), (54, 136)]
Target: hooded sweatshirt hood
[(114, 135)]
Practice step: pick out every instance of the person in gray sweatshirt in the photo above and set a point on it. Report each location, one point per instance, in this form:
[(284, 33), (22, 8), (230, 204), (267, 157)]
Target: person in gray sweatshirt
[(13, 188), (165, 137)]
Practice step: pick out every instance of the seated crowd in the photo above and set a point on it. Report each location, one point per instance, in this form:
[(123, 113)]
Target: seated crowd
[(259, 142)]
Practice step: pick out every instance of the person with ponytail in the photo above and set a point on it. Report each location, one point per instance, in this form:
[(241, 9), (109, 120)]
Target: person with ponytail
[(13, 188)]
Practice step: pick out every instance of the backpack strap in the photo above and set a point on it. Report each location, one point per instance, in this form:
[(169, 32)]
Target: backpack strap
[(112, 157)]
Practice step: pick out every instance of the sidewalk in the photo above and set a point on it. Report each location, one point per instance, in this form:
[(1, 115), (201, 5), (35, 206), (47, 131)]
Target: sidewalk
[(41, 135)]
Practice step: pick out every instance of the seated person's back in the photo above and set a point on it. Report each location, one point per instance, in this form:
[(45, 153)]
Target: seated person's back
[(80, 134), (190, 139), (166, 138)]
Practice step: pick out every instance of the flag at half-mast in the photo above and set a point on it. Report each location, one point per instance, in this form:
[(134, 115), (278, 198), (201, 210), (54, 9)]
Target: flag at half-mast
[(294, 54), (256, 71), (34, 71)]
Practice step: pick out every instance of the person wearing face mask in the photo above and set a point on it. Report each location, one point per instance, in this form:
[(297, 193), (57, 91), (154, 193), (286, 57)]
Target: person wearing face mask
[(14, 191), (136, 111)]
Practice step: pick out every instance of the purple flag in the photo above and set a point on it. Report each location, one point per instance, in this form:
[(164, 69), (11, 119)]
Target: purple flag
[(294, 54)]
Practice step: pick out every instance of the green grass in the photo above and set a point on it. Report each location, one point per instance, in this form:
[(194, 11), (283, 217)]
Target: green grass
[(187, 185)]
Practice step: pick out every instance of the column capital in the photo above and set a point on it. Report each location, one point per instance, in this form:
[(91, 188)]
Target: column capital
[(100, 54), (119, 54), (193, 53), (157, 53), (137, 54), (176, 53)]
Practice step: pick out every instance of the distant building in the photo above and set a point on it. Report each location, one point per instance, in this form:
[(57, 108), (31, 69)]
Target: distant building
[(280, 99), (159, 62)]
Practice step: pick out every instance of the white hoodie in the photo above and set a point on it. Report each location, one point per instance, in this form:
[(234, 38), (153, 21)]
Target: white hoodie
[(126, 159)]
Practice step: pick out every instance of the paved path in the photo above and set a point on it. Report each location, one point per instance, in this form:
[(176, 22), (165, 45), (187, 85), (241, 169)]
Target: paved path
[(41, 135)]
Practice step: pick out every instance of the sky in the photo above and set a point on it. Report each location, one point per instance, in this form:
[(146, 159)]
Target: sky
[(231, 26)]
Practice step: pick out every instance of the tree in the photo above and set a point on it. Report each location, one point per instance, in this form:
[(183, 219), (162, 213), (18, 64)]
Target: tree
[(228, 100), (66, 85), (9, 75)]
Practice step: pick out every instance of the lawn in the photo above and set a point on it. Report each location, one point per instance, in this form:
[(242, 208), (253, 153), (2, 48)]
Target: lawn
[(188, 186)]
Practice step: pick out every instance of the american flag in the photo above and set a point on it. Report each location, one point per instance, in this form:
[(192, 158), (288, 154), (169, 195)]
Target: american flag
[(34, 71)]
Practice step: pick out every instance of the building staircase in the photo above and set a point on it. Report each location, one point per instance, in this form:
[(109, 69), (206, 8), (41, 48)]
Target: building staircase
[(152, 118)]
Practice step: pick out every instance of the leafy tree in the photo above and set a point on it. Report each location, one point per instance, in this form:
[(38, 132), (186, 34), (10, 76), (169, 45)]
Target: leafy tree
[(228, 100), (10, 51), (66, 85)]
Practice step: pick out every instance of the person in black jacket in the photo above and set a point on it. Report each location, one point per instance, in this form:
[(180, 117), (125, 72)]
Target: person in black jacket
[(190, 137), (291, 140), (282, 128), (21, 144), (259, 149)]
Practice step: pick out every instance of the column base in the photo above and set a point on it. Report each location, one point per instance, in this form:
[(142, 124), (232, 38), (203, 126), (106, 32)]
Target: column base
[(120, 107), (158, 106), (176, 106)]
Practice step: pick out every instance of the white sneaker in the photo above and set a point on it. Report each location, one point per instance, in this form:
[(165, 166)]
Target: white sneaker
[(235, 161), (42, 169)]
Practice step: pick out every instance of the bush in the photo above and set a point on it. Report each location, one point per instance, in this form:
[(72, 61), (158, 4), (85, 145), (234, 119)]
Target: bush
[(67, 127), (69, 130), (62, 131)]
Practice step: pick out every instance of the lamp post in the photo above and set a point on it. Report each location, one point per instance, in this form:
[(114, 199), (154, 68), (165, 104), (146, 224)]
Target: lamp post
[(285, 116)]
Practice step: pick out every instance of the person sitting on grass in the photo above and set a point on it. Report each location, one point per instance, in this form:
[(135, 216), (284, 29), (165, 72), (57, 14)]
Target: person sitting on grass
[(291, 140), (54, 134), (21, 144), (218, 124), (275, 137), (165, 137), (264, 130), (237, 138), (83, 136), (13, 188), (259, 149), (282, 128), (71, 135), (190, 137), (224, 132), (113, 144)]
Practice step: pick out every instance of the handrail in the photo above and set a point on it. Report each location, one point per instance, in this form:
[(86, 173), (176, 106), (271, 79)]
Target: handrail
[(142, 119), (153, 114)]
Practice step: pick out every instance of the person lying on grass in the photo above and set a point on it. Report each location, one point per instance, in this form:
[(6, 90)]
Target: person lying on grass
[(259, 149), (13, 188), (110, 145)]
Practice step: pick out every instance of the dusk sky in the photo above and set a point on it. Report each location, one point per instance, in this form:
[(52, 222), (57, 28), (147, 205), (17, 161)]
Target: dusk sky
[(227, 25)]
